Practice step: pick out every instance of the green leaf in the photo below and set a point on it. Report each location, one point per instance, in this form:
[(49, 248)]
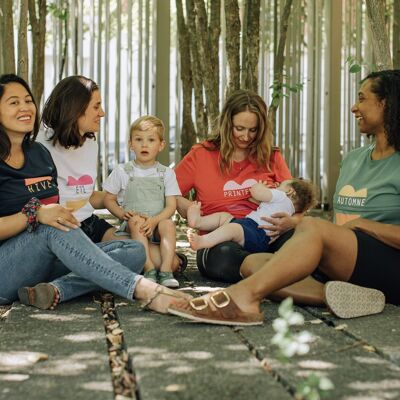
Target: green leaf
[(355, 68)]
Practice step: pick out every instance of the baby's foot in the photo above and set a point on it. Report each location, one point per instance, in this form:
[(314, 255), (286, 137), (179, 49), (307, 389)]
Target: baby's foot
[(194, 214), (196, 241)]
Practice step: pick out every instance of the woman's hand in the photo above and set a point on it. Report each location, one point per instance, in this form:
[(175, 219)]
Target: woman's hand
[(280, 222), (57, 216)]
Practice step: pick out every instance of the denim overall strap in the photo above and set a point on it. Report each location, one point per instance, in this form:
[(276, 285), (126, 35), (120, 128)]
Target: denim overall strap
[(145, 195)]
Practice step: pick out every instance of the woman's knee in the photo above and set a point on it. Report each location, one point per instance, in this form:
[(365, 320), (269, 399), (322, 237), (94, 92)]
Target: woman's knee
[(253, 263)]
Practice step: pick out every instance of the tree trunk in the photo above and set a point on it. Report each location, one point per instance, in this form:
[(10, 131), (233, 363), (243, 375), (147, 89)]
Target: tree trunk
[(232, 44), (396, 34), (251, 45), (380, 40), (188, 134), (208, 51), (279, 62), (23, 63), (38, 24), (197, 72), (7, 21)]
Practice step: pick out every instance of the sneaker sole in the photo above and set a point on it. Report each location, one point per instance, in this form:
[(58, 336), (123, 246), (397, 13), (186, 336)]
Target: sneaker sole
[(212, 321), (346, 300)]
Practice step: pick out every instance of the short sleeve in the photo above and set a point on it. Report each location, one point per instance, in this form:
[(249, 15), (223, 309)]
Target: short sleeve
[(171, 184), (113, 184), (279, 167), (186, 172)]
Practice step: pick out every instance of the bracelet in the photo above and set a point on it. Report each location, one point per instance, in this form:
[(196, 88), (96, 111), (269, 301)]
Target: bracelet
[(30, 209)]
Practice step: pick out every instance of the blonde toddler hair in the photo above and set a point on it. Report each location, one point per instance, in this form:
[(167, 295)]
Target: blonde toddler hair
[(145, 123)]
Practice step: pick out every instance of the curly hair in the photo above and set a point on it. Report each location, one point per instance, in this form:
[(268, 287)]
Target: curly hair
[(260, 149), (66, 104), (30, 137), (305, 196), (386, 86)]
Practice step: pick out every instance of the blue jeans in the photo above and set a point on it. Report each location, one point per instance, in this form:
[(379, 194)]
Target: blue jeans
[(70, 261)]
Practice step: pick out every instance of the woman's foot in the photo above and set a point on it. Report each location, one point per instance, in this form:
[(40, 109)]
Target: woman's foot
[(156, 297), (194, 214), (217, 307), (44, 296)]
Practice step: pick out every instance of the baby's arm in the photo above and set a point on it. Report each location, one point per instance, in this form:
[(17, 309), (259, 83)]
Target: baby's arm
[(111, 203), (151, 223), (260, 192)]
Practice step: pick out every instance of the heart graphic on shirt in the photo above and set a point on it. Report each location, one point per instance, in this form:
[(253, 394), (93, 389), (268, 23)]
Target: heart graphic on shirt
[(83, 180), (349, 191), (232, 185)]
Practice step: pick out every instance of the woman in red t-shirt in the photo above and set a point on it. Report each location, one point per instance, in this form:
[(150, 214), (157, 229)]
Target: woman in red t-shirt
[(221, 170)]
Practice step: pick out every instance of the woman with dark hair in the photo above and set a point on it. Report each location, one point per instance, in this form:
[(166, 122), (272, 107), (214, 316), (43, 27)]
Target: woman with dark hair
[(71, 117), (364, 250), (40, 240), (221, 170)]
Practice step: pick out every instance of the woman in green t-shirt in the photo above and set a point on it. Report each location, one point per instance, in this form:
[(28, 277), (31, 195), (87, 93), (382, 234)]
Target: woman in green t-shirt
[(364, 251)]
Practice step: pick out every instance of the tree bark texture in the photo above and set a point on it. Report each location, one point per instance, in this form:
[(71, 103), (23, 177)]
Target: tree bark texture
[(188, 134), (279, 62), (37, 18), (251, 45), (380, 40), (208, 52), (7, 38), (23, 62), (396, 34), (197, 72), (232, 44)]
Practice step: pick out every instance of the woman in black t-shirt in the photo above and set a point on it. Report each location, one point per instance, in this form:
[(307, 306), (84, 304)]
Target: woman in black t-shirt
[(40, 241)]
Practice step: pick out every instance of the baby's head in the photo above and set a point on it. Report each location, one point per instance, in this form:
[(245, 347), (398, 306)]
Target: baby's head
[(302, 193), (148, 123)]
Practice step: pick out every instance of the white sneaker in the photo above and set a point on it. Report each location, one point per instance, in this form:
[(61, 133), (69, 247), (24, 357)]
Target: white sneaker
[(167, 279), (346, 300)]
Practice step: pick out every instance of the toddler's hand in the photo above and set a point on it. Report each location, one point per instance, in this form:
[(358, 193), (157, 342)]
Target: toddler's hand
[(148, 226)]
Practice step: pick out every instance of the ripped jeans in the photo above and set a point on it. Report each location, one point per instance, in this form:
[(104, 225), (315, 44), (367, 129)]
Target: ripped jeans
[(70, 261)]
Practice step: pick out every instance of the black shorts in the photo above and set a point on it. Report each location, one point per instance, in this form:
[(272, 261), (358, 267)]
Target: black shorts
[(377, 266), (95, 228)]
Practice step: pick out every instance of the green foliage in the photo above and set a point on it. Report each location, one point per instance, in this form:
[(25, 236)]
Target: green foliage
[(314, 388), (355, 65), (58, 12), (281, 90), (291, 344)]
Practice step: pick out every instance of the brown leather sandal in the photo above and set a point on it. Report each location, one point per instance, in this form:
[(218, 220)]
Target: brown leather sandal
[(224, 312), (171, 295), (42, 296)]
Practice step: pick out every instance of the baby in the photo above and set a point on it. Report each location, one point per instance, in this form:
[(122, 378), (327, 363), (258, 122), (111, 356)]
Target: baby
[(291, 196)]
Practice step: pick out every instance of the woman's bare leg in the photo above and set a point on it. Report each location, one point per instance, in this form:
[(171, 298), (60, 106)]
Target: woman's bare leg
[(315, 243), (307, 291)]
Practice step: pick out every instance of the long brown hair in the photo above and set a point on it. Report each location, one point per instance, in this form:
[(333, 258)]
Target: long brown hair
[(221, 138), (67, 102), (5, 144)]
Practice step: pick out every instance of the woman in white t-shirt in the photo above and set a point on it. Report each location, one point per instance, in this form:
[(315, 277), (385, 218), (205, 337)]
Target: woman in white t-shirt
[(71, 118)]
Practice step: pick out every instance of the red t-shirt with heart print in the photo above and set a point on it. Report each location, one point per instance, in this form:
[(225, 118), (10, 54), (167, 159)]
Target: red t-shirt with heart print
[(200, 170)]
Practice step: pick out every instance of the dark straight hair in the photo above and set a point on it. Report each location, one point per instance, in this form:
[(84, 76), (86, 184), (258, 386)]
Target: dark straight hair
[(5, 144), (386, 86), (67, 102)]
